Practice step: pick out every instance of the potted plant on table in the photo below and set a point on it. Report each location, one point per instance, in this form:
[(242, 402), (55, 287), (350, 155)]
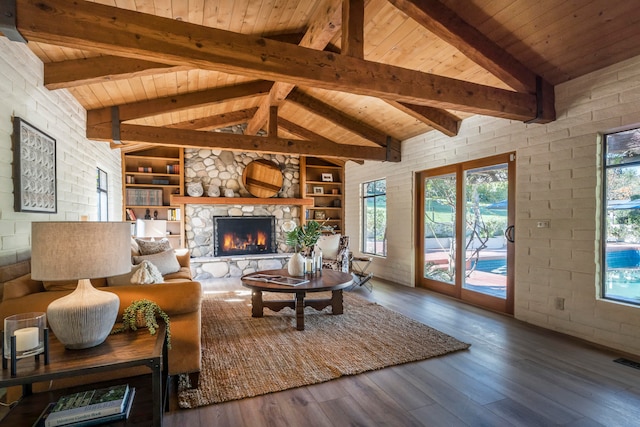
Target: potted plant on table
[(144, 313), (303, 238)]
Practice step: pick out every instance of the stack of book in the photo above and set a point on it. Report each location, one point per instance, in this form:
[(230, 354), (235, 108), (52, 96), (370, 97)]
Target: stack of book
[(89, 408)]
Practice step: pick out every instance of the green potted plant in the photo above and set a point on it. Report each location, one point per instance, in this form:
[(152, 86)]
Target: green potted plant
[(303, 238), (144, 313)]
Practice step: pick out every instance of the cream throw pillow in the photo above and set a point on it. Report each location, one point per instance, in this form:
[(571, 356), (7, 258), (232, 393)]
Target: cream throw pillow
[(146, 274), (166, 261)]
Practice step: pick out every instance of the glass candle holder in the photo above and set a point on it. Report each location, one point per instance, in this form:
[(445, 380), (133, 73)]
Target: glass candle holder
[(28, 328)]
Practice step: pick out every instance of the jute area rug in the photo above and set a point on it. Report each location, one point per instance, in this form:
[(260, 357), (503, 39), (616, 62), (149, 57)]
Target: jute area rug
[(244, 356)]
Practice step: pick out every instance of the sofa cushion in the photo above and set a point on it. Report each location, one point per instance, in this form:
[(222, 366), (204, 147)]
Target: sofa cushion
[(166, 261), (147, 247), (329, 245)]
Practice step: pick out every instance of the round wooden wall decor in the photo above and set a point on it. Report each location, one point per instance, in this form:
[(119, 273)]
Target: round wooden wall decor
[(262, 178)]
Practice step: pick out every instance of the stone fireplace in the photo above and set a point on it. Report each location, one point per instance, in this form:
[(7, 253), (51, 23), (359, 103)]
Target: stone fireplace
[(244, 235)]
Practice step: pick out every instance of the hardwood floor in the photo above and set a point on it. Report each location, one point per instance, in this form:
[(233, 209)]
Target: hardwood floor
[(514, 374)]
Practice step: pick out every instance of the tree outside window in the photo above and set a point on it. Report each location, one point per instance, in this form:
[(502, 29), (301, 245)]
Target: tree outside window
[(374, 221)]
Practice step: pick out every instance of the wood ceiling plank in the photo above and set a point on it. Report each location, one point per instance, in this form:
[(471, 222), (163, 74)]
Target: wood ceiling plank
[(63, 22), (226, 141), (178, 102)]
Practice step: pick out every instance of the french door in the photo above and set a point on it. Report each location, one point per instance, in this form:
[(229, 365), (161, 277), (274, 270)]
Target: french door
[(465, 231)]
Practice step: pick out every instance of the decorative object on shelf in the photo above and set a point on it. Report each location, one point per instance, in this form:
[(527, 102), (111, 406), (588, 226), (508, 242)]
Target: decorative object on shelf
[(151, 229), (24, 335), (34, 163), (228, 193), (213, 190), (318, 190), (327, 177), (195, 189), (262, 178), (68, 251), (321, 215), (144, 313), (147, 214), (335, 191)]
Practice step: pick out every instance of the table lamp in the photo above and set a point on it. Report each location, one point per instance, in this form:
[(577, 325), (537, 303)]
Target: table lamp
[(63, 251), (151, 228)]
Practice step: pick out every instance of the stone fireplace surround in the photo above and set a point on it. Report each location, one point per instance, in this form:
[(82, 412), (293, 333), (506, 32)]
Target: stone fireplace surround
[(224, 169)]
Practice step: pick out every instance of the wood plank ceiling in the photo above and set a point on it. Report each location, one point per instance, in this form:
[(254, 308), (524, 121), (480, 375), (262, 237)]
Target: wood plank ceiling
[(345, 81)]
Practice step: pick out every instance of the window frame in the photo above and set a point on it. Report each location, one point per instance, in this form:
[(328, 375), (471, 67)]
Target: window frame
[(102, 192), (604, 226), (363, 229)]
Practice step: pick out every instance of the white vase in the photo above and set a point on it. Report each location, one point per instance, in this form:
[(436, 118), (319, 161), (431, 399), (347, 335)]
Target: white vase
[(296, 265), (213, 191)]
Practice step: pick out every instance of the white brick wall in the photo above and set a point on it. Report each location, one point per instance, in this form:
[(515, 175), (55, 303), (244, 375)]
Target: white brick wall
[(557, 179), (59, 115)]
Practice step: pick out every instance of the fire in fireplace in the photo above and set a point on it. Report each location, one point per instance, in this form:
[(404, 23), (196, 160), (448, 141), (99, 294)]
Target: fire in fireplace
[(244, 235)]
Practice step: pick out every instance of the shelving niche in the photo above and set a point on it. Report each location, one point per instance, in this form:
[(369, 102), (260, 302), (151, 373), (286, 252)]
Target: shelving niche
[(327, 194), (150, 177)]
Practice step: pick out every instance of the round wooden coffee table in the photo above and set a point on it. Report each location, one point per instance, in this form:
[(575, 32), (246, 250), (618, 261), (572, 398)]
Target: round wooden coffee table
[(329, 280)]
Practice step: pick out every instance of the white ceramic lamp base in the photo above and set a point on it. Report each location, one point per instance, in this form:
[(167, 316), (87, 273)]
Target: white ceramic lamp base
[(85, 317)]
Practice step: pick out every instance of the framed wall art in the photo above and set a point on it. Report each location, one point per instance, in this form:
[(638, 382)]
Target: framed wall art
[(318, 190), (34, 163)]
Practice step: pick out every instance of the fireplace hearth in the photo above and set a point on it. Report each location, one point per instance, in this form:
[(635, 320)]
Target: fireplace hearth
[(244, 235)]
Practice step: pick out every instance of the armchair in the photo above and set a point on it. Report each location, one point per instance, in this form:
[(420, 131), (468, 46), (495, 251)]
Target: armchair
[(335, 252)]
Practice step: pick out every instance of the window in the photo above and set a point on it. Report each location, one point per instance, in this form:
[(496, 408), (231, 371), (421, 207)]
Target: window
[(103, 196), (621, 218), (374, 221)]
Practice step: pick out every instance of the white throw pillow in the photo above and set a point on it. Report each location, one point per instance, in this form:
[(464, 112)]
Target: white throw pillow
[(329, 245), (146, 274)]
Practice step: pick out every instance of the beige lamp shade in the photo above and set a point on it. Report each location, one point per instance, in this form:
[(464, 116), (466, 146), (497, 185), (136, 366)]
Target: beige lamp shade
[(153, 228), (81, 251)]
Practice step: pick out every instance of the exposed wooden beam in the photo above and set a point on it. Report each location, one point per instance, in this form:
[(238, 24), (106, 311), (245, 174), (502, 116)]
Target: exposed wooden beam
[(85, 71), (353, 28), (227, 141), (323, 27), (111, 30), (442, 120), (336, 116), (304, 133), (446, 24), (273, 121), (99, 69), (136, 110), (217, 121)]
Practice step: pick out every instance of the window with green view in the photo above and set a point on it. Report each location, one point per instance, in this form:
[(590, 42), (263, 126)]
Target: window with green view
[(621, 217), (374, 221)]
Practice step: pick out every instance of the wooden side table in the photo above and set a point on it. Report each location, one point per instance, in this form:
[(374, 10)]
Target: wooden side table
[(120, 351)]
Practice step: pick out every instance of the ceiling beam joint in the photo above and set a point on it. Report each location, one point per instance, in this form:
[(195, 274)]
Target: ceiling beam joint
[(8, 25)]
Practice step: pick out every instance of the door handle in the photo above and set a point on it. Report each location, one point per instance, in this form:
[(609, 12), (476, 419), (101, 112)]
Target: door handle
[(510, 233)]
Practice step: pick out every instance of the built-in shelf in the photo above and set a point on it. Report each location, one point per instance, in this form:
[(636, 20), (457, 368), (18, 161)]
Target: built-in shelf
[(188, 200)]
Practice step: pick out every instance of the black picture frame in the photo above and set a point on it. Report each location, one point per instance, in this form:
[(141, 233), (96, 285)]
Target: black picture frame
[(34, 169)]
